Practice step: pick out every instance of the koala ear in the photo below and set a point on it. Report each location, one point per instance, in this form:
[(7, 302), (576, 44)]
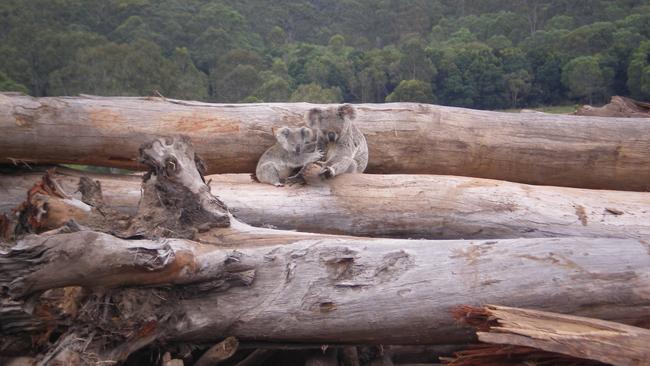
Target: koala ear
[(282, 132), (347, 110), (313, 117)]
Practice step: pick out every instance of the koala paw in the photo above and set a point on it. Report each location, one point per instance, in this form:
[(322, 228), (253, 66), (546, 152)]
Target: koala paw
[(327, 172), (279, 184), (295, 179)]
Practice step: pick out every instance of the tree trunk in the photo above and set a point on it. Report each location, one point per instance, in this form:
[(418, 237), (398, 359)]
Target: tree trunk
[(588, 152), (337, 289), (433, 207)]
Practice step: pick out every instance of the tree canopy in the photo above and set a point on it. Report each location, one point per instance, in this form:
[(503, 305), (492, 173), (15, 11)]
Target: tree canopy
[(482, 54)]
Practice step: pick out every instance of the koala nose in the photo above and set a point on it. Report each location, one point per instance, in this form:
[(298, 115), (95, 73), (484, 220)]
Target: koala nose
[(331, 136), (298, 149)]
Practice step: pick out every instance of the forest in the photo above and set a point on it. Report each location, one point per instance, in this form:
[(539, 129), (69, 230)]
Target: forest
[(488, 54)]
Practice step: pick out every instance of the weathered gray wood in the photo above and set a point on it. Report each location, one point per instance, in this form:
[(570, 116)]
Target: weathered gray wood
[(411, 206), (343, 289), (589, 152)]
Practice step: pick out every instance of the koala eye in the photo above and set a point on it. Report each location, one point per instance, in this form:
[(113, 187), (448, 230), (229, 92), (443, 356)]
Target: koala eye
[(285, 132)]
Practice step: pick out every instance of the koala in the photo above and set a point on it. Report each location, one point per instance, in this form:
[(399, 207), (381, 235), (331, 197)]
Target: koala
[(345, 145), (294, 149)]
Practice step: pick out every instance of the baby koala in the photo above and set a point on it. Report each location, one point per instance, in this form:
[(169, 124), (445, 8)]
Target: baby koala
[(295, 148)]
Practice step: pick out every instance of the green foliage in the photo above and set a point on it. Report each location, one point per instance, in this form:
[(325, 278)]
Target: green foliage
[(274, 89), (412, 91), (236, 84), (314, 93), (639, 72), (481, 54), (518, 84), (589, 39), (6, 84), (560, 22), (186, 81), (583, 77), (114, 69)]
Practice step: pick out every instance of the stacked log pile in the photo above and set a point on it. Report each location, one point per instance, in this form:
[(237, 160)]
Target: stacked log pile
[(172, 267)]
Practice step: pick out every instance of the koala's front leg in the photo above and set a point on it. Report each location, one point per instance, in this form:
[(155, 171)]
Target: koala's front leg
[(268, 173), (297, 178), (337, 166), (314, 156)]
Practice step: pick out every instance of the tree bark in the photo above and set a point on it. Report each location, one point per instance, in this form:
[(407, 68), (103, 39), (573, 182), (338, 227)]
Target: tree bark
[(433, 207), (580, 337), (588, 152)]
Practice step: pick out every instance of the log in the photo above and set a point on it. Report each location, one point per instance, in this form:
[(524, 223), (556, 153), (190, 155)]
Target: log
[(341, 289), (433, 207), (580, 337), (617, 107), (403, 138), (184, 270), (219, 352)]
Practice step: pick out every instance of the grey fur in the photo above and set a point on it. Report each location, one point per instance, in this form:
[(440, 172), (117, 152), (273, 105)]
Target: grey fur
[(346, 146), (295, 148)]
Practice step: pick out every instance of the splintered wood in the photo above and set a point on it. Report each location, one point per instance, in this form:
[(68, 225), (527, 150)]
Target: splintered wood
[(529, 331)]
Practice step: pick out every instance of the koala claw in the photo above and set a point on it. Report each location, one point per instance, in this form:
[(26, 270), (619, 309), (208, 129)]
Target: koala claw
[(327, 172)]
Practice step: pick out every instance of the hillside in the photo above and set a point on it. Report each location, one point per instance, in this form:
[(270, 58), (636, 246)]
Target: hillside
[(479, 54)]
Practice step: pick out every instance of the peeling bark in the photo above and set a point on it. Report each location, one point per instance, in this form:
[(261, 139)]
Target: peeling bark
[(404, 138)]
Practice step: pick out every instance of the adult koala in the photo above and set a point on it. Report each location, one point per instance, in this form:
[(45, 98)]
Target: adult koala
[(346, 147)]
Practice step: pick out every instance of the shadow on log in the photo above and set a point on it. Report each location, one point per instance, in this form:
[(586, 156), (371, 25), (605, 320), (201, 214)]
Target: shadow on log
[(232, 279)]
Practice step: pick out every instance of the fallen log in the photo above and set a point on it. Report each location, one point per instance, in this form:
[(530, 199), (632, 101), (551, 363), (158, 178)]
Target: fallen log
[(206, 282), (433, 207), (403, 138), (580, 337), (617, 107), (337, 287)]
